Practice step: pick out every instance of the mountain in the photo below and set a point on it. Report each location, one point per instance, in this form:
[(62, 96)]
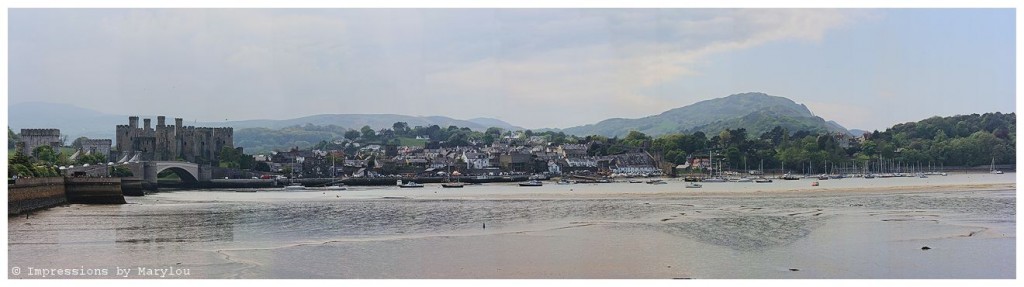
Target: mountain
[(858, 132), (72, 121), (75, 121), (376, 121), (489, 122), (756, 112)]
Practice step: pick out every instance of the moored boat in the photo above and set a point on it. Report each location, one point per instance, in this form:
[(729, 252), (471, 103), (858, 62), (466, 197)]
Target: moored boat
[(531, 183), (993, 169), (452, 185), (693, 185), (295, 186), (411, 184)]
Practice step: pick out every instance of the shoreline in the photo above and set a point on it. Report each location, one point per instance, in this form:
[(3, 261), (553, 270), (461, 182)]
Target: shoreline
[(612, 191)]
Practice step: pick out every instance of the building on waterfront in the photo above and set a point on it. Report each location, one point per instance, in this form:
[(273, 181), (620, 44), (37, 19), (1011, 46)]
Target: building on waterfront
[(34, 138), (171, 142)]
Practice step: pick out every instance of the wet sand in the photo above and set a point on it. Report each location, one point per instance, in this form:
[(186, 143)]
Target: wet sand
[(842, 229)]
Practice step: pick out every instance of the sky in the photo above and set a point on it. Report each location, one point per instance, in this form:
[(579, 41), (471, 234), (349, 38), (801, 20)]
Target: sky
[(535, 68)]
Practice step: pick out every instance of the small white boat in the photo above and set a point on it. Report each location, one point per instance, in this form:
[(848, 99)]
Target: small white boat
[(336, 187), (531, 183), (693, 185), (295, 186), (452, 185), (993, 169), (714, 179), (411, 184), (763, 180)]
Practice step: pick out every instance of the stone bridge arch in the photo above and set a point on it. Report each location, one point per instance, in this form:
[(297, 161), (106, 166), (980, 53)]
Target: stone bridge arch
[(185, 175), (188, 172)]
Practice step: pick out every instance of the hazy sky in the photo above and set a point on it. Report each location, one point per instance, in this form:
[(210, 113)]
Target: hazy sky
[(864, 68)]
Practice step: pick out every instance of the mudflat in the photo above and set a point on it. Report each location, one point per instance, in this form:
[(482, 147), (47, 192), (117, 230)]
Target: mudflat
[(961, 226)]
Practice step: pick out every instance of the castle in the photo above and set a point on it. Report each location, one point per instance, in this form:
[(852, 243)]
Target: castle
[(33, 138), (169, 143)]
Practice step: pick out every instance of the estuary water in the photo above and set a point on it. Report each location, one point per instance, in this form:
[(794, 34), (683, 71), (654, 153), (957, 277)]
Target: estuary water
[(958, 226)]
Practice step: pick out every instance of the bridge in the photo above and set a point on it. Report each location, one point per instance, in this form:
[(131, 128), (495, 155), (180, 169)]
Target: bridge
[(190, 173)]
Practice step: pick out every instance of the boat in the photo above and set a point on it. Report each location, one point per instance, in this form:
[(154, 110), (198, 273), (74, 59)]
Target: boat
[(564, 182), (993, 169), (763, 180), (869, 176), (790, 177), (411, 184), (744, 179), (823, 177), (714, 179), (656, 181), (448, 180), (335, 187), (452, 185), (636, 181), (295, 186), (531, 183), (814, 183), (693, 185)]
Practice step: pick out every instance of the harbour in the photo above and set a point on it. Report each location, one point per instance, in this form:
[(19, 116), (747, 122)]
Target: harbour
[(723, 230)]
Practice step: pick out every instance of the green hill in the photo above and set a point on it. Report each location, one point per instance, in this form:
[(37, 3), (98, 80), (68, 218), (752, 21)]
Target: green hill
[(756, 112)]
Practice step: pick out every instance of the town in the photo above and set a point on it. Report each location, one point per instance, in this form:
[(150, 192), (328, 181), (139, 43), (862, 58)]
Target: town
[(424, 152)]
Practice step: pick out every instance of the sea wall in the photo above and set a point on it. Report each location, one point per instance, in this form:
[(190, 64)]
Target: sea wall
[(28, 194), (94, 190)]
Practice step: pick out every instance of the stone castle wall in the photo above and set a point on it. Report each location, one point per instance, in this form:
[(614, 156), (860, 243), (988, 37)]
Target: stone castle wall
[(33, 138), (172, 142)]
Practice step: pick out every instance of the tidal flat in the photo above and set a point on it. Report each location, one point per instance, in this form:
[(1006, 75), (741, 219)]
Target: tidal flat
[(960, 226)]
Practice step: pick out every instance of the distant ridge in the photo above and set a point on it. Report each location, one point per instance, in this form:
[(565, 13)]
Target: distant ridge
[(76, 121), (756, 112), (376, 121)]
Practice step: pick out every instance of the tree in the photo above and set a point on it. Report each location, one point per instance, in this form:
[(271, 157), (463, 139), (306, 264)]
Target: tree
[(636, 139), (400, 128), (368, 133), (120, 171), (12, 138), (93, 158), (352, 135), (45, 153)]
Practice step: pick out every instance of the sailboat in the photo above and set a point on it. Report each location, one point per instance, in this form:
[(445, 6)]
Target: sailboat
[(993, 169), (448, 182), (762, 179), (711, 169), (786, 175)]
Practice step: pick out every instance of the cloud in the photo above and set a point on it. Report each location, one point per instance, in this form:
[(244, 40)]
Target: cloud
[(536, 63), (615, 56)]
